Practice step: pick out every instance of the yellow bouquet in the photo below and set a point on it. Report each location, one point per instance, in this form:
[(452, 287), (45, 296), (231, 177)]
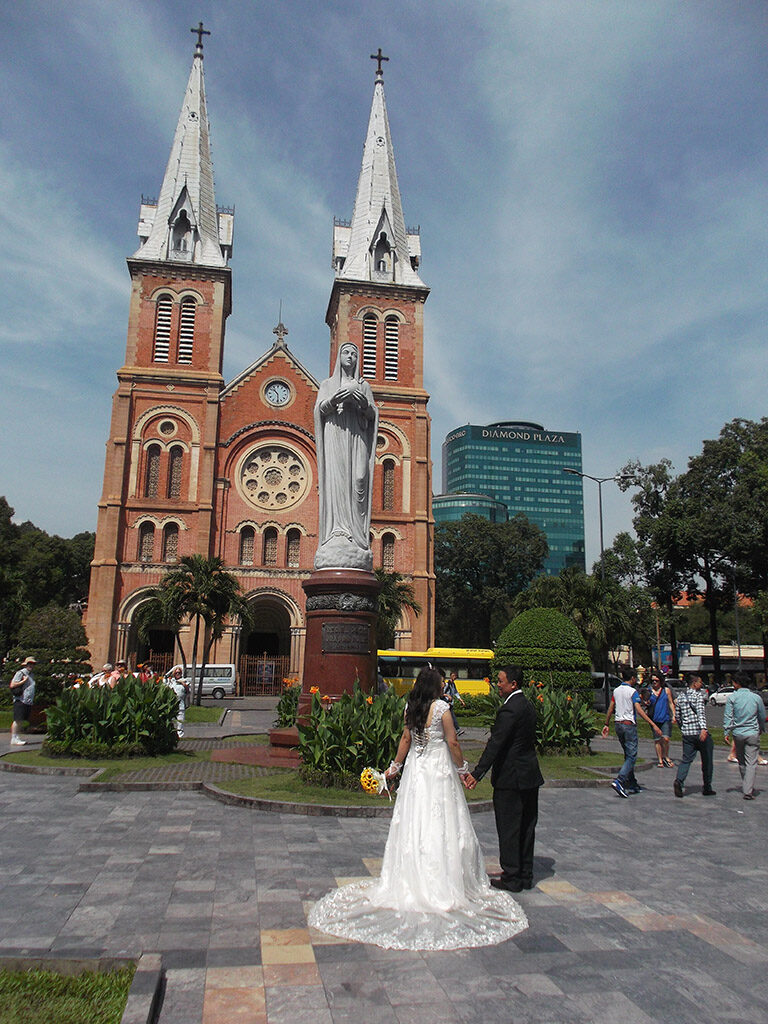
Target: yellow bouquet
[(374, 782)]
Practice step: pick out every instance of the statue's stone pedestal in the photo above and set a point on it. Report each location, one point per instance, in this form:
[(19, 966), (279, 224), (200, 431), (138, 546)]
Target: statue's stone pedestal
[(341, 633)]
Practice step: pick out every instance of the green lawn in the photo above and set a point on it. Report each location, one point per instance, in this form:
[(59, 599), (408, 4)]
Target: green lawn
[(117, 765), (286, 784), (202, 714), (42, 997)]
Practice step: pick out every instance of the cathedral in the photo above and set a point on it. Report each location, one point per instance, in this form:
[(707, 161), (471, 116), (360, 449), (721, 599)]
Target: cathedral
[(199, 465)]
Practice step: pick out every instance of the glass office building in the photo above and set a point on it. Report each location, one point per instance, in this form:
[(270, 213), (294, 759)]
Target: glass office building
[(449, 508), (521, 464)]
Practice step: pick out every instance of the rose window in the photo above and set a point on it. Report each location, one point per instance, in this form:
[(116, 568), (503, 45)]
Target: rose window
[(274, 477)]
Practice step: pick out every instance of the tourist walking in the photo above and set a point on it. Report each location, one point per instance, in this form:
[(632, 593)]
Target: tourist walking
[(692, 719), (661, 706), (745, 719), (625, 703), (23, 691)]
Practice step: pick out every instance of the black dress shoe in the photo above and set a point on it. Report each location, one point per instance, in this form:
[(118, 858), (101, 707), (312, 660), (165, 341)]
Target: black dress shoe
[(500, 883), (708, 791)]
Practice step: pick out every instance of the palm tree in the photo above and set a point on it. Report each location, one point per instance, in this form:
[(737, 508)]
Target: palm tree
[(200, 588), (396, 594), (161, 610)]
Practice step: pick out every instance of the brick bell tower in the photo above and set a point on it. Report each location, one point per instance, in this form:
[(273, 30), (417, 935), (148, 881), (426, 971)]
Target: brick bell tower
[(158, 497), (377, 302)]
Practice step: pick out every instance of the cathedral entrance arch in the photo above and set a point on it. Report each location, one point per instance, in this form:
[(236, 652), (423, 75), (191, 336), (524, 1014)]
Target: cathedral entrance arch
[(265, 647)]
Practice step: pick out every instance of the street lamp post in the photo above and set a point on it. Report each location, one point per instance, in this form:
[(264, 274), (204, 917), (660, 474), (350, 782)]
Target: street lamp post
[(599, 480)]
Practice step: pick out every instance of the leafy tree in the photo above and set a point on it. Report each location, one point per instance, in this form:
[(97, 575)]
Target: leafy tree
[(480, 567), (739, 460), (36, 570), (201, 589), (602, 612), (663, 561), (396, 594), (55, 637)]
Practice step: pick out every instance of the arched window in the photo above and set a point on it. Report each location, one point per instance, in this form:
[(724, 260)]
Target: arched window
[(171, 543), (388, 552), (247, 535), (270, 546), (369, 345), (163, 328), (388, 485), (294, 548), (152, 473), (175, 463), (391, 347), (187, 329), (146, 550)]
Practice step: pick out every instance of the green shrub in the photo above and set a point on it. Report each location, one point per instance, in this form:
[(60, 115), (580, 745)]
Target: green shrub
[(132, 718), (287, 707), (550, 650), (344, 736), (564, 723), (56, 638), (479, 705)]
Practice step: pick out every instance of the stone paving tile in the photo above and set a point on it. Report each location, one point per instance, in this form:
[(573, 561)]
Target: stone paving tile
[(197, 881)]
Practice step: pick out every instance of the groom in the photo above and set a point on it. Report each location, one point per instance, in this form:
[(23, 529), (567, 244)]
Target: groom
[(515, 775)]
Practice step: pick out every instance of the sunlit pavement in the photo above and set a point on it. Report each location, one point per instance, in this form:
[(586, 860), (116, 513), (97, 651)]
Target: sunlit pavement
[(646, 909)]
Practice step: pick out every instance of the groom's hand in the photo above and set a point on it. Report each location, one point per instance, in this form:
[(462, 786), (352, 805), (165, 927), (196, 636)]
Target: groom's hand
[(470, 781)]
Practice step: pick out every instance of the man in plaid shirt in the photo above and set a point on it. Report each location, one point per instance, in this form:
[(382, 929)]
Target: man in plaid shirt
[(691, 717)]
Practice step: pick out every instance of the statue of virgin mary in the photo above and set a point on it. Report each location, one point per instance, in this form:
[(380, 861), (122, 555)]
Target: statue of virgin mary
[(346, 427)]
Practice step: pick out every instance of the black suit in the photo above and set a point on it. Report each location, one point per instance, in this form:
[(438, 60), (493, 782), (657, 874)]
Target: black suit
[(516, 777)]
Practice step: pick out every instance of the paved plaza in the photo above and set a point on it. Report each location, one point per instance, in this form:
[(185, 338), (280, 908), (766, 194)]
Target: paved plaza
[(646, 909)]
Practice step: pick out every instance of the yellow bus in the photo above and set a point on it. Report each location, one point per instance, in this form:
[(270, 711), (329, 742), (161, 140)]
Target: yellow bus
[(472, 666)]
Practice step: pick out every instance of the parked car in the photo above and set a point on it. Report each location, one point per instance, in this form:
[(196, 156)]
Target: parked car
[(219, 681), (599, 699), (720, 696)]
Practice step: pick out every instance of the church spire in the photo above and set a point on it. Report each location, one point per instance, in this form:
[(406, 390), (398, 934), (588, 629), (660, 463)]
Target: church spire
[(184, 224), (376, 245)]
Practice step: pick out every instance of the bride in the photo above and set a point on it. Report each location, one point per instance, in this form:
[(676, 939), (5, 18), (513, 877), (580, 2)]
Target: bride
[(433, 892)]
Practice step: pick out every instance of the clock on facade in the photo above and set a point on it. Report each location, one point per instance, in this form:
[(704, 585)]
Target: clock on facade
[(277, 392)]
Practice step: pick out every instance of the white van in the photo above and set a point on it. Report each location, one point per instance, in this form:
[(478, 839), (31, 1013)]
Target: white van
[(219, 681)]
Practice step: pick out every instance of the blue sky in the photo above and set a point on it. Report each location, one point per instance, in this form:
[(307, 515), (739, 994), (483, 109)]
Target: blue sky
[(590, 179)]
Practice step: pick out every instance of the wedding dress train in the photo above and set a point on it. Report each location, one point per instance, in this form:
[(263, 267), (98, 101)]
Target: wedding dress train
[(433, 892)]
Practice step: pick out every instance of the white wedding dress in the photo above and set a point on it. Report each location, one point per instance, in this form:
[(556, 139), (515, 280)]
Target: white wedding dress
[(433, 892)]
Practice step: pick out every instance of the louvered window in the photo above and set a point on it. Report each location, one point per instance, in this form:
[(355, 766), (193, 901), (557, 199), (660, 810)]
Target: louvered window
[(270, 546), (246, 545), (146, 542), (388, 489), (388, 552), (152, 475), (163, 329), (171, 543), (391, 348), (294, 548), (369, 345), (187, 330), (175, 463)]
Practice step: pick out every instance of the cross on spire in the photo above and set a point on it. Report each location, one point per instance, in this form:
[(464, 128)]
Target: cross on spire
[(379, 57), (200, 32)]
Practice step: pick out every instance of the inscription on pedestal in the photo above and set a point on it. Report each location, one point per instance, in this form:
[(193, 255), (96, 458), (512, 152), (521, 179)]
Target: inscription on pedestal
[(346, 638)]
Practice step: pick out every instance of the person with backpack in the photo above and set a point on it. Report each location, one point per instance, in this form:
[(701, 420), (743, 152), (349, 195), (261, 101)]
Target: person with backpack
[(691, 717)]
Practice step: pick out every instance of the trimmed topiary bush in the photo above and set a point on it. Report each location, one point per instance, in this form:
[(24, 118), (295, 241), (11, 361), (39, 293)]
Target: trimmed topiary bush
[(550, 649)]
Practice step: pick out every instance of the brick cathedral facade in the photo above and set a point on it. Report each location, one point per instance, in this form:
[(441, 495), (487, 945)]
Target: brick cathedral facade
[(195, 465)]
